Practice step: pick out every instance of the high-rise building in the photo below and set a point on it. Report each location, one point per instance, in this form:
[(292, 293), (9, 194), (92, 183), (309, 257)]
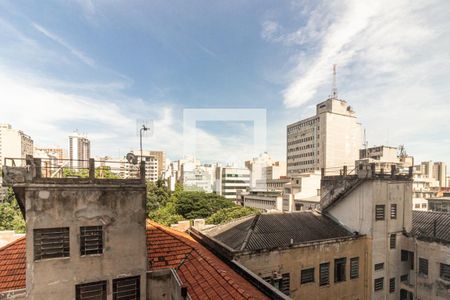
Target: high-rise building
[(154, 163), (14, 144), (440, 173), (79, 151), (330, 139)]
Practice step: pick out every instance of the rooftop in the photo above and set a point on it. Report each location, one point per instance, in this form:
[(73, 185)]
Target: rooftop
[(205, 275), (431, 226), (277, 230)]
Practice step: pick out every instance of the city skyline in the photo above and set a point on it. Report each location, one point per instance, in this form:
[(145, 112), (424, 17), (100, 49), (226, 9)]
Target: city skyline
[(64, 70)]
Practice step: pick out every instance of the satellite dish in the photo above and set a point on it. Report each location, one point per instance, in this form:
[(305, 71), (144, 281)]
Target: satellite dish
[(131, 158)]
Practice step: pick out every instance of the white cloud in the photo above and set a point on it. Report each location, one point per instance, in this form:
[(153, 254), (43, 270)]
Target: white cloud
[(393, 67), (77, 53)]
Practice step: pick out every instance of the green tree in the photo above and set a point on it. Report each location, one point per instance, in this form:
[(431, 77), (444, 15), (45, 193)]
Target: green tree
[(165, 215), (193, 205), (158, 195), (10, 216), (231, 213)]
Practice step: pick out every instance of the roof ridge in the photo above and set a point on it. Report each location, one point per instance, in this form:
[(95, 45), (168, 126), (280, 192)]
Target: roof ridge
[(250, 231), (12, 243)]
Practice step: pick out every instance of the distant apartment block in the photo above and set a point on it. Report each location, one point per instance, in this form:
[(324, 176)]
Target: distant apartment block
[(230, 180), (330, 139), (263, 167), (79, 151), (14, 143)]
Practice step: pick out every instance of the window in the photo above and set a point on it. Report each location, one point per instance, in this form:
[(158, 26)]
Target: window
[(91, 240), (285, 283), (354, 267), (378, 284), (379, 266), (404, 278), (417, 205), (91, 291), (128, 288), (324, 276), (339, 269), (307, 275), (392, 240), (408, 257), (423, 266), (393, 211), (445, 272), (392, 285), (51, 243), (379, 212)]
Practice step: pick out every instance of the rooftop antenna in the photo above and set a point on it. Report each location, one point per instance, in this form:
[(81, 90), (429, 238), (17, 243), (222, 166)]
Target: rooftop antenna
[(334, 89)]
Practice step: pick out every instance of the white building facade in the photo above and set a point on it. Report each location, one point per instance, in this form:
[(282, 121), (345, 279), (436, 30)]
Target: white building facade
[(330, 139)]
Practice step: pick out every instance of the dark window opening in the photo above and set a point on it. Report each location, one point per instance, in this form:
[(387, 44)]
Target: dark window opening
[(445, 272), (392, 241), (51, 243), (354, 267), (379, 212), (91, 291), (379, 266), (392, 285), (128, 288), (408, 256), (393, 211), (307, 275), (339, 269), (324, 276), (423, 266), (378, 284), (91, 240)]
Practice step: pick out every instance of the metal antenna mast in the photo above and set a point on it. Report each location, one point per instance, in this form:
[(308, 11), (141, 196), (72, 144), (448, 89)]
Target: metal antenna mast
[(334, 89)]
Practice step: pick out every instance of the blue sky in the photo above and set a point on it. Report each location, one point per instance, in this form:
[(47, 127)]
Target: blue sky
[(97, 66)]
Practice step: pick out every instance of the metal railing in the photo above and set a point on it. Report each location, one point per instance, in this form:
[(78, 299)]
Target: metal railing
[(70, 168)]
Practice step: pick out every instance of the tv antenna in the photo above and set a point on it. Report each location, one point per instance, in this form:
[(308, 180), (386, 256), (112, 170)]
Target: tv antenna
[(334, 93)]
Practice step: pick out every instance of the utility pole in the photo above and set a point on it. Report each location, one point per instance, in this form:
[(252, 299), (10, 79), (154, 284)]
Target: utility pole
[(143, 128)]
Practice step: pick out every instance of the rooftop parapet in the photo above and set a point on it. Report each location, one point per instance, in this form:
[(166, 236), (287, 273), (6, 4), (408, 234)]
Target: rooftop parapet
[(19, 171)]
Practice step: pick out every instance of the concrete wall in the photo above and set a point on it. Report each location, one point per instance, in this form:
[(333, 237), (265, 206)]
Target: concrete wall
[(165, 284), (294, 259), (121, 211), (357, 212)]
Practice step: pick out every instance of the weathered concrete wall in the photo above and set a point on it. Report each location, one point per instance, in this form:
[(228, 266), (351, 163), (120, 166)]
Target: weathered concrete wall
[(121, 211), (431, 286), (357, 213), (164, 284), (294, 259)]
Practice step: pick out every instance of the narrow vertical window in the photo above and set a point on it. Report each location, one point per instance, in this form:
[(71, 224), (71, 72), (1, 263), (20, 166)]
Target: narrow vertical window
[(324, 276), (392, 285), (392, 240), (393, 211), (423, 266), (379, 212), (354, 267), (339, 269)]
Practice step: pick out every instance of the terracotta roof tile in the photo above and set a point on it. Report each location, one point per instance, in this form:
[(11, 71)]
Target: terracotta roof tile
[(205, 275), (13, 265)]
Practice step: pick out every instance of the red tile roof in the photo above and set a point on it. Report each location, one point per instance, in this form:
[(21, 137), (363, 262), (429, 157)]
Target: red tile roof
[(13, 265), (205, 275)]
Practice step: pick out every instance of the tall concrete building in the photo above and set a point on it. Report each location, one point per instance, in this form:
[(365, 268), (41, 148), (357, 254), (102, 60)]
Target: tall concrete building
[(79, 151), (330, 139)]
